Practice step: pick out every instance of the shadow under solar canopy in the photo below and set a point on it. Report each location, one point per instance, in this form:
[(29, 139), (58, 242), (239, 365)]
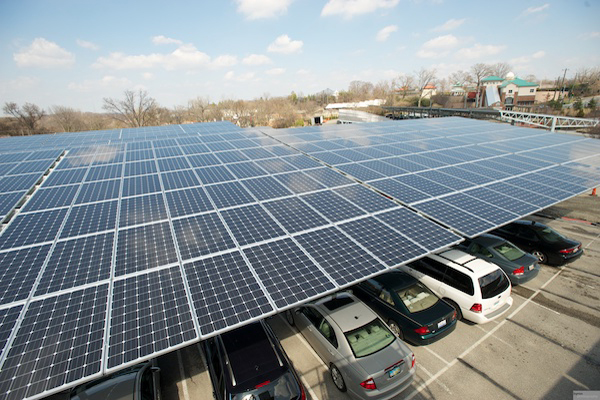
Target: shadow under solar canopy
[(142, 241)]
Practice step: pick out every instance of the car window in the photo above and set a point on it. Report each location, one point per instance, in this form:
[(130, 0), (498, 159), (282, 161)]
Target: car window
[(373, 286), (493, 284), (509, 251), (479, 250), (417, 298), (313, 316), (459, 281), (526, 233), (387, 297), (147, 385), (551, 236), (369, 338), (327, 331), (513, 229), (430, 267)]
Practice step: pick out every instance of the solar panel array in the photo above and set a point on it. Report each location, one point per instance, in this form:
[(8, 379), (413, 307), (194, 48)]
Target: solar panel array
[(141, 241), (123, 245)]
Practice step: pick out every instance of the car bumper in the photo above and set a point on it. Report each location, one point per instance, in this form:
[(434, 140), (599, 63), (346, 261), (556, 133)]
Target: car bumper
[(561, 259), (431, 338), (388, 393), (484, 318), (521, 279)]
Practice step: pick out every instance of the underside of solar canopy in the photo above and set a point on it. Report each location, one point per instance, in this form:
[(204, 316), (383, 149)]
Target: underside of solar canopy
[(119, 246)]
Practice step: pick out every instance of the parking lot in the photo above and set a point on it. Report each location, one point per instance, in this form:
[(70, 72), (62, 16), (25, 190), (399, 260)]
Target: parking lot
[(547, 346)]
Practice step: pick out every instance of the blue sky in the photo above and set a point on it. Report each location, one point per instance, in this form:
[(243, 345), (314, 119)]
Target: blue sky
[(75, 52)]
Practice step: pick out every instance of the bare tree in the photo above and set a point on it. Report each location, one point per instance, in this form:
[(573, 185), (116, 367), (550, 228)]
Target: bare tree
[(137, 109), (67, 119), (424, 78), (28, 116), (405, 83), (500, 69), (478, 72), (197, 108)]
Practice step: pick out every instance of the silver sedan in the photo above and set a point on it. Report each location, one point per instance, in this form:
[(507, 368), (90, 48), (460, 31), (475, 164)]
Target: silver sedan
[(364, 357)]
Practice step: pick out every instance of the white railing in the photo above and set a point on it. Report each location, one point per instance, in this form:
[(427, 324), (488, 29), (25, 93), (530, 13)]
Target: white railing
[(549, 121)]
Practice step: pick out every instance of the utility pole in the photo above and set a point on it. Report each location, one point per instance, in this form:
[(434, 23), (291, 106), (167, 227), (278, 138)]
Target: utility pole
[(562, 97)]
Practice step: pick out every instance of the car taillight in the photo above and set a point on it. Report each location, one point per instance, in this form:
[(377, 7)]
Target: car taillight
[(262, 384), (519, 271), (413, 361), (422, 330), (369, 384), (568, 251), (302, 393), (454, 315), (476, 308)]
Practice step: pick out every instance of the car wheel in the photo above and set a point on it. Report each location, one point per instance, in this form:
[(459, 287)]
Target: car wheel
[(542, 258), (456, 308), (289, 317), (338, 379), (396, 329)]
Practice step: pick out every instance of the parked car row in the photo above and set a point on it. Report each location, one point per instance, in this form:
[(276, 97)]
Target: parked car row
[(359, 333)]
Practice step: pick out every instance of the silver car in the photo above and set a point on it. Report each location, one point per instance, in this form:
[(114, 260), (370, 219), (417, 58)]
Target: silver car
[(364, 357)]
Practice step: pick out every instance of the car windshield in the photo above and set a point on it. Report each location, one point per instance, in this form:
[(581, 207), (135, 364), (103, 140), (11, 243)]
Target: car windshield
[(417, 298), (493, 284), (509, 251), (369, 338), (550, 235)]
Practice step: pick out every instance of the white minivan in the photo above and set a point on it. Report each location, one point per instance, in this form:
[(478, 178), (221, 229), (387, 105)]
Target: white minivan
[(477, 289)]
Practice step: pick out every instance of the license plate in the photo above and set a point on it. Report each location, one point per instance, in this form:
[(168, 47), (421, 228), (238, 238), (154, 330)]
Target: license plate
[(530, 267), (394, 371), (441, 323)]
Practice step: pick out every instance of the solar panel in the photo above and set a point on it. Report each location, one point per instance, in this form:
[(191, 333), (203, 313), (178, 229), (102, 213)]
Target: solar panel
[(235, 224)]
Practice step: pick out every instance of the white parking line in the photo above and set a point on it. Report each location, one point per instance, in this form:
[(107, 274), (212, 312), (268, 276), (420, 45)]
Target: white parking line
[(538, 304), (435, 354), (184, 387), (424, 385), (446, 388), (579, 283)]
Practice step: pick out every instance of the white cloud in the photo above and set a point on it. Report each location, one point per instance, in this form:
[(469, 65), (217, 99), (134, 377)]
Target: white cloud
[(350, 8), (225, 60), (245, 77), (590, 35), (449, 25), (534, 10), (283, 44), (538, 54), (148, 76), (385, 33), (302, 72), (43, 53), (256, 59), (256, 9), (107, 81), (185, 56), (87, 45), (276, 71), (165, 40), (479, 51), (438, 47)]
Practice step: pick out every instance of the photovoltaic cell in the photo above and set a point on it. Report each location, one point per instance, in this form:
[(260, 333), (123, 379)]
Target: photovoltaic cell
[(179, 179), (201, 235), (77, 262), (229, 194), (360, 172), (462, 221), (246, 169), (328, 177), (18, 182), (140, 168), (502, 201), (298, 182), (144, 184), (332, 206), (203, 160), (150, 313), (294, 214), (144, 247), (172, 164), (32, 166), (33, 228), (65, 177), (104, 172), (341, 258), (366, 199), (275, 165), (381, 240), (251, 224), (90, 218), (8, 318), (231, 296), (20, 269), (215, 174), (404, 193), (55, 197), (8, 201), (60, 340), (98, 191), (288, 275), (227, 157), (266, 187), (188, 201), (142, 209)]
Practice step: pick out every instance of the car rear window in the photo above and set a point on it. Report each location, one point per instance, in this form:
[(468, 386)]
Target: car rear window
[(283, 388), (509, 251), (493, 284), (369, 338), (417, 298)]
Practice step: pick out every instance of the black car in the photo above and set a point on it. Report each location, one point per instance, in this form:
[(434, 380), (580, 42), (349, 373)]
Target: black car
[(249, 364), (549, 246), (142, 381), (411, 310)]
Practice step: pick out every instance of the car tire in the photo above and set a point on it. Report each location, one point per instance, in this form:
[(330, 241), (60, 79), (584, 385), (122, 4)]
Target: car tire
[(541, 256), (289, 317), (459, 315), (396, 329), (338, 379)]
